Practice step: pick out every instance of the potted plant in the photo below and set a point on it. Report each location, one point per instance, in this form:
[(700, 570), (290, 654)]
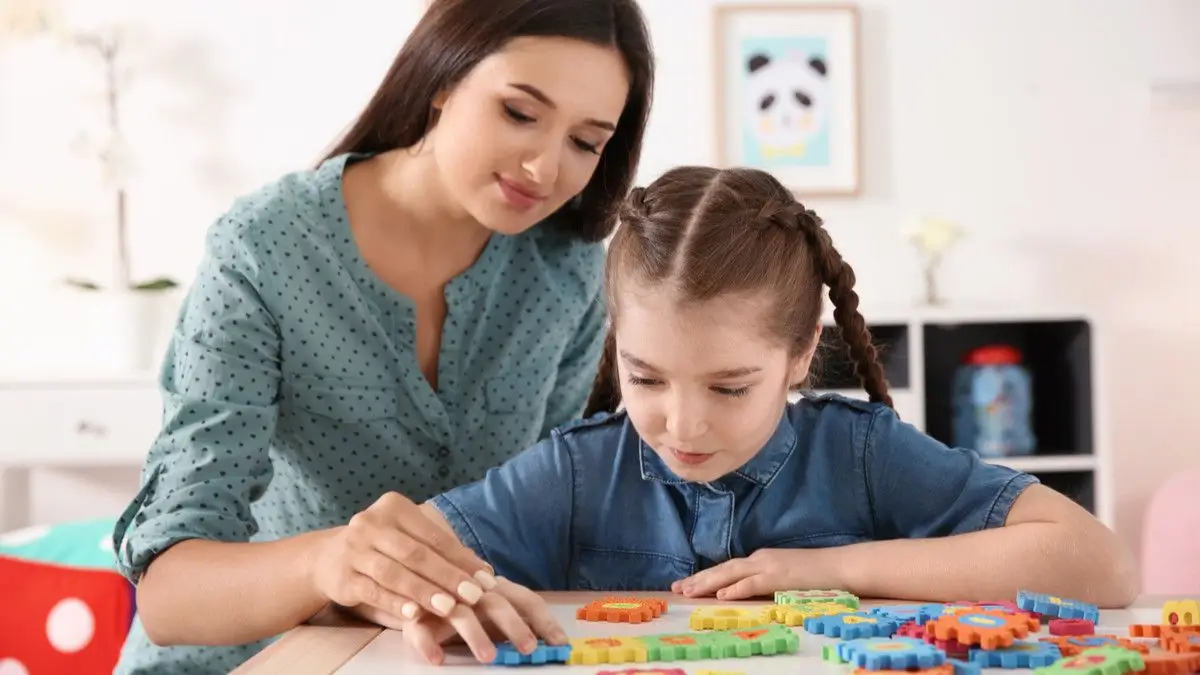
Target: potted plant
[(129, 314)]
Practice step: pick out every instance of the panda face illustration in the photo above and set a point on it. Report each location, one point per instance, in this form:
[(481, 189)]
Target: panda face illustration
[(788, 101)]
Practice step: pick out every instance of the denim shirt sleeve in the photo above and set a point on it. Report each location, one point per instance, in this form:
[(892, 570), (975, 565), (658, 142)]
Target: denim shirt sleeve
[(518, 516), (919, 487)]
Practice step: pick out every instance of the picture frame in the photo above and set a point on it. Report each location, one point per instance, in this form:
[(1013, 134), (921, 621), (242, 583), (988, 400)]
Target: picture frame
[(787, 90)]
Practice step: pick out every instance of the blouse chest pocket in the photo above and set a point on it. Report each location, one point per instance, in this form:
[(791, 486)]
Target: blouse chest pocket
[(349, 401), (620, 570)]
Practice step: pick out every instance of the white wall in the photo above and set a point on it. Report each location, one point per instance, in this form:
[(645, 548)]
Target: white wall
[(1032, 123)]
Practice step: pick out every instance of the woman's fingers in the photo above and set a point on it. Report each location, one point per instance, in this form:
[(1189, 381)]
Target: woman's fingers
[(536, 613), (410, 518), (395, 585)]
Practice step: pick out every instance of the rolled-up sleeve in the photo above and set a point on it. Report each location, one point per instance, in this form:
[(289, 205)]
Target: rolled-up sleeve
[(219, 382), (518, 516), (919, 487)]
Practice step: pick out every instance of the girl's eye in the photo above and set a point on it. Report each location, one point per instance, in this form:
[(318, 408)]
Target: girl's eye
[(641, 381), (728, 391), (517, 115)]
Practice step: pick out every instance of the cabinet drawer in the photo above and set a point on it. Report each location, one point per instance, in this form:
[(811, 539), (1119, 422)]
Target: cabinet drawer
[(65, 425)]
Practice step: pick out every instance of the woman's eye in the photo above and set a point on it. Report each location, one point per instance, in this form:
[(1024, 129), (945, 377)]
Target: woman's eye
[(517, 115)]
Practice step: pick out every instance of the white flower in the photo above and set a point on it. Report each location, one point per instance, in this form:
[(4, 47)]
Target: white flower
[(932, 236)]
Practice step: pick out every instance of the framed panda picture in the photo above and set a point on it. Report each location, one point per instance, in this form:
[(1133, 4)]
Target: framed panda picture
[(787, 93)]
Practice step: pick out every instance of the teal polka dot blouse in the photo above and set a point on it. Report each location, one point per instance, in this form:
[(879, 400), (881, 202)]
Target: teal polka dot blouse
[(292, 394)]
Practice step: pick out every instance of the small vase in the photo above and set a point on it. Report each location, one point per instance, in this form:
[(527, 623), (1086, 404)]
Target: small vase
[(932, 297)]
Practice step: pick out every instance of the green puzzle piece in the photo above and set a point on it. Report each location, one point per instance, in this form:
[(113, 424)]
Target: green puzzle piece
[(1096, 661), (802, 597)]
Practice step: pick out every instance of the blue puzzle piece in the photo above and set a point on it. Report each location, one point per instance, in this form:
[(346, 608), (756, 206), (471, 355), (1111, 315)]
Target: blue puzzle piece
[(963, 668), (1054, 606), (921, 614), (1018, 655), (507, 655), (852, 625), (898, 653)]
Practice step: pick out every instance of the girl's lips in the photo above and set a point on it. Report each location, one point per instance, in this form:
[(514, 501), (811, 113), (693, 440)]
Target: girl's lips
[(691, 458)]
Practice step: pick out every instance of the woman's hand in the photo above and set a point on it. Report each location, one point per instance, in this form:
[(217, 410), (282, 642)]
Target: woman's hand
[(762, 573), (393, 558), (508, 612)]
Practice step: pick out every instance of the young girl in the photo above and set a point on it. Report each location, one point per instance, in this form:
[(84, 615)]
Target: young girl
[(711, 483)]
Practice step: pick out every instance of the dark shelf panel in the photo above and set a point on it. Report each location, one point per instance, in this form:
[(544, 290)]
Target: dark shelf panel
[(832, 367)]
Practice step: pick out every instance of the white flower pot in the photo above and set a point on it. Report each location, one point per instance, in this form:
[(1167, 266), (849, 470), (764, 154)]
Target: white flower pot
[(128, 331)]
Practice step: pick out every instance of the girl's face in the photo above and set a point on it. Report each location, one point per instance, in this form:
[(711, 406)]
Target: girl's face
[(702, 383), (522, 133)]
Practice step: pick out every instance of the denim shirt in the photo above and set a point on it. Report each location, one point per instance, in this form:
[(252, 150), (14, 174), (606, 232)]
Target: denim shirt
[(592, 507)]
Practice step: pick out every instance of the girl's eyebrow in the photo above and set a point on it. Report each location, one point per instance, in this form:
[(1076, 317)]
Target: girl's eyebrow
[(728, 373)]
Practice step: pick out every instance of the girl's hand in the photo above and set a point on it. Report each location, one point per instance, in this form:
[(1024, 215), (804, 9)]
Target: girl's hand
[(508, 612), (393, 558), (762, 573)]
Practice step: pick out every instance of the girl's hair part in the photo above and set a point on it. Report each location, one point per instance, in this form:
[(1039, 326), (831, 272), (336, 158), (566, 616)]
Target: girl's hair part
[(453, 36), (706, 232)]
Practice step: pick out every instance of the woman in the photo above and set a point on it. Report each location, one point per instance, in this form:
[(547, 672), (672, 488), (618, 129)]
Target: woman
[(416, 309)]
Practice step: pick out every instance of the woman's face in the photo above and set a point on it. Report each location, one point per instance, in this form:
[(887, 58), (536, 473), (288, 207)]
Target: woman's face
[(522, 133)]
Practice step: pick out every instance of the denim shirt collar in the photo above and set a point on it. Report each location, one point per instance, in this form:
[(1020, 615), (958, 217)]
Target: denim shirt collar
[(761, 469)]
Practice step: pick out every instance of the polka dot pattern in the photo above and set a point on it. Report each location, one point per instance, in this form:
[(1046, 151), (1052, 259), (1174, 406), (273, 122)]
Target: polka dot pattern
[(292, 394)]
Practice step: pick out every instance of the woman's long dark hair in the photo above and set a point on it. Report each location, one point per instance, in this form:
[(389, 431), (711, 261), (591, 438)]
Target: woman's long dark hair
[(455, 35)]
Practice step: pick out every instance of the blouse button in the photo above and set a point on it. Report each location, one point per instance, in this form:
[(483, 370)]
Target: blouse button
[(444, 471), (443, 452)]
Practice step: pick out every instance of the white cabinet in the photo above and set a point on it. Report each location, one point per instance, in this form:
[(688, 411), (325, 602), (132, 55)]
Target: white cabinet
[(70, 423)]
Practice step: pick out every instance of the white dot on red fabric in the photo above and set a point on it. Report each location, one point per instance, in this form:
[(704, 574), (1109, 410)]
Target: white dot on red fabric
[(70, 625), (12, 667), (24, 536)]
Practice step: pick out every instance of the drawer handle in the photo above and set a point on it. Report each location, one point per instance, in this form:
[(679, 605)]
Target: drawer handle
[(85, 427)]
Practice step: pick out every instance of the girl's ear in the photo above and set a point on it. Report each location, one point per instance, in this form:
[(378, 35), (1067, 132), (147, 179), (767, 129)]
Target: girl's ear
[(802, 362)]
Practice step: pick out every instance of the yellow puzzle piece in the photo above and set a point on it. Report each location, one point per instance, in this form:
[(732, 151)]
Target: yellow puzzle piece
[(591, 651), (720, 617)]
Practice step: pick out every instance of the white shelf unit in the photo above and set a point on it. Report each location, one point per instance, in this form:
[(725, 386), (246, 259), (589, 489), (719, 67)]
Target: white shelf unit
[(921, 348)]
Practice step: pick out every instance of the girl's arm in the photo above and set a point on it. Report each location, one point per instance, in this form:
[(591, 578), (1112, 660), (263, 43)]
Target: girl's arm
[(1048, 544)]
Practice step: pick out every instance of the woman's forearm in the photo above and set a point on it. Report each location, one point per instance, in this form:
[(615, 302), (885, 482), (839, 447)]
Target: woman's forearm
[(1087, 565), (216, 593)]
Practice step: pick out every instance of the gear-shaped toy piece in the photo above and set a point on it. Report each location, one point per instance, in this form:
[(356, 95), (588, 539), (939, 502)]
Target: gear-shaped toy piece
[(767, 640), (1017, 655), (880, 653), (1096, 661), (724, 617), (852, 626), (801, 597), (1182, 643), (1071, 645), (922, 614), (1072, 627), (622, 610), (1052, 606), (507, 654), (987, 629), (944, 669)]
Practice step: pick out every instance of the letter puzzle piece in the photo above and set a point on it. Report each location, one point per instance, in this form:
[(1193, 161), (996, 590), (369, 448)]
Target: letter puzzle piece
[(851, 626), (922, 614), (622, 610), (760, 641), (1181, 613), (825, 596), (507, 654), (1017, 655), (723, 617), (611, 650), (988, 629), (1097, 661), (1070, 645), (890, 653), (1055, 607)]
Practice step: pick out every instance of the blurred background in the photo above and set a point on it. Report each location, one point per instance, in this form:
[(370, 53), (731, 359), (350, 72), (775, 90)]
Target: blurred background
[(1037, 161)]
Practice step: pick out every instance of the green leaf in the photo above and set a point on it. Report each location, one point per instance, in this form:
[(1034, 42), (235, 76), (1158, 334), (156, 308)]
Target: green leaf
[(83, 284), (159, 284)]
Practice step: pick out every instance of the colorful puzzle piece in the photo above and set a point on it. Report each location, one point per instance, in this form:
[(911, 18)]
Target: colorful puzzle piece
[(922, 614), (612, 650), (987, 629), (851, 626), (824, 596), (723, 617), (944, 669), (766, 640), (507, 654), (1097, 661), (1056, 607), (890, 653), (1017, 655), (644, 671), (1181, 613), (1070, 645), (622, 610), (678, 646)]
